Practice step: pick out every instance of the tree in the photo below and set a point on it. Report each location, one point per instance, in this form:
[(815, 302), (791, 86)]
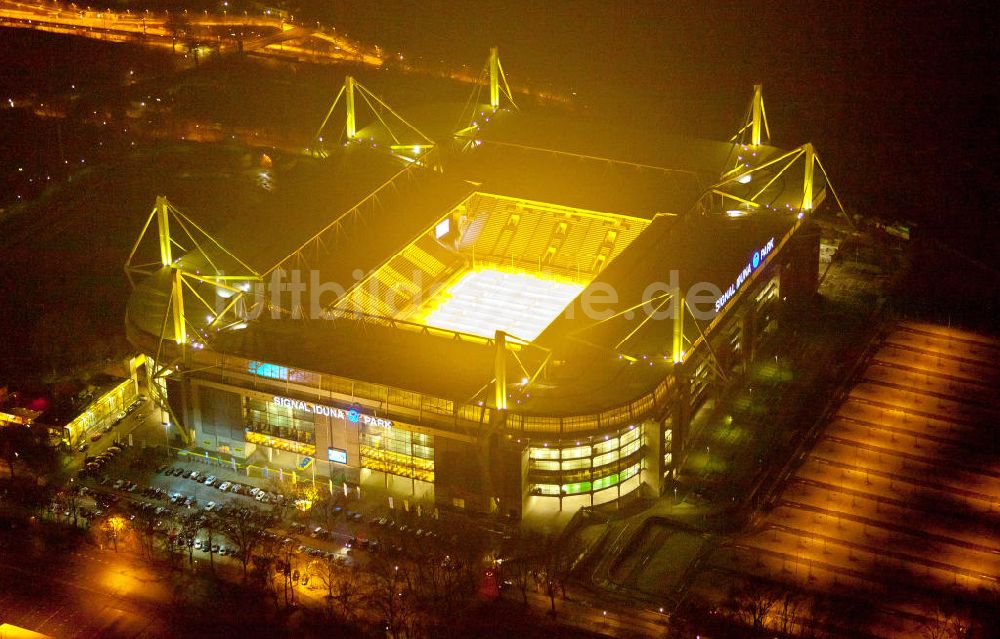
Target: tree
[(559, 556), (347, 593), (172, 550), (190, 527), (264, 562), (325, 571), (750, 602), (114, 527), (340, 581), (551, 563), (245, 528), (285, 558), (390, 592), (440, 577), (145, 530), (789, 610), (212, 525), (952, 618), (519, 557)]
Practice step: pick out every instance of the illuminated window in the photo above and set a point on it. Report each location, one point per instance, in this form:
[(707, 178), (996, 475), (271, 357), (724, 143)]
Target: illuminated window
[(631, 436), (545, 464), (574, 464), (606, 458), (546, 489), (630, 448), (588, 467), (577, 488), (605, 482), (544, 453), (605, 446), (271, 371), (397, 451), (576, 452)]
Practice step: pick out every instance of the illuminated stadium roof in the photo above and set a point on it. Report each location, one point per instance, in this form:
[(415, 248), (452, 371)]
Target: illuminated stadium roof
[(500, 228)]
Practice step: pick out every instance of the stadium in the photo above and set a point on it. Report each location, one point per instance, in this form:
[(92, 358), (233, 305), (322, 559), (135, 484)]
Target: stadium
[(519, 314)]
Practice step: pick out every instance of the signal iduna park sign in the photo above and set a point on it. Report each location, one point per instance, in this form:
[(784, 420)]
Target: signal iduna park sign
[(350, 415), (756, 260)]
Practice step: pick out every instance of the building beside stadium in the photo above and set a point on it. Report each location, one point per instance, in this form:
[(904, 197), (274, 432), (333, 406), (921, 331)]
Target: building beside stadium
[(521, 315)]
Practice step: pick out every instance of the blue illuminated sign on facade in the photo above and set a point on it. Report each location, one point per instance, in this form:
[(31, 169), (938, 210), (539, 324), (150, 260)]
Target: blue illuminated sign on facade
[(336, 455), (350, 415), (756, 260)]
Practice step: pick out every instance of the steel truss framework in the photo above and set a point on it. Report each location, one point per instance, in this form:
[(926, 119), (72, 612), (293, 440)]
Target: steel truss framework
[(200, 264), (715, 199), (492, 76), (350, 91)]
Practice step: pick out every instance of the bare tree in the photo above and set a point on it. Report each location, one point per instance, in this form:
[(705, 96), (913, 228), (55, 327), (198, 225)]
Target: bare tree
[(559, 555), (265, 561), (190, 527), (287, 562), (750, 602), (172, 550), (519, 557), (341, 583), (948, 620), (390, 593), (347, 592), (244, 528), (325, 570), (789, 610), (144, 525)]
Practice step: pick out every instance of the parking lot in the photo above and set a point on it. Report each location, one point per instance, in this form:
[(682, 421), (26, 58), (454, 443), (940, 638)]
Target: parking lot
[(184, 492)]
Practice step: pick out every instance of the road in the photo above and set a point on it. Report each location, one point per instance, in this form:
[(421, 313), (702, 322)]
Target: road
[(158, 28)]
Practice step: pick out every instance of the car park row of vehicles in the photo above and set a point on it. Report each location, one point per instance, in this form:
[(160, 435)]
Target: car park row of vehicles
[(94, 464), (259, 494), (96, 436)]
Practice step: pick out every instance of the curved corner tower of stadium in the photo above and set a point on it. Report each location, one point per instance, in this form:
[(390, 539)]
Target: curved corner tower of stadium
[(380, 365)]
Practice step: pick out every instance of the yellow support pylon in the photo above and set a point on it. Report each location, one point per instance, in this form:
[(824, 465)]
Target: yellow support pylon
[(352, 131)]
